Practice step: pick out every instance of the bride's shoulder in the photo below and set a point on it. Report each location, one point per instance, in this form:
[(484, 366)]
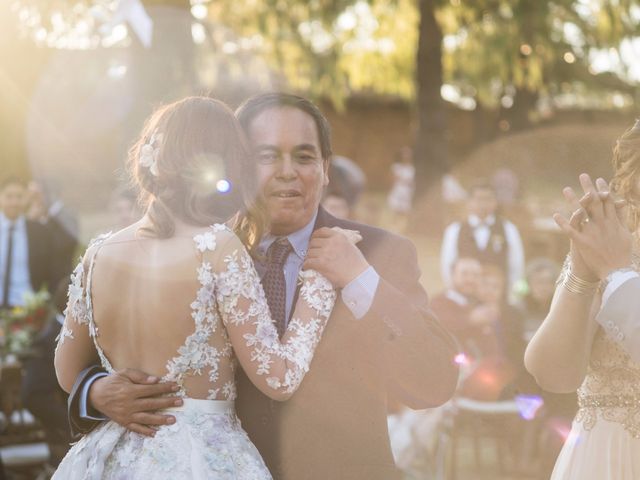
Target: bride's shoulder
[(94, 245), (217, 237)]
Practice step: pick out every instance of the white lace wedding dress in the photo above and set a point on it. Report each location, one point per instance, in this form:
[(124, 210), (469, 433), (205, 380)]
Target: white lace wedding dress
[(231, 321)]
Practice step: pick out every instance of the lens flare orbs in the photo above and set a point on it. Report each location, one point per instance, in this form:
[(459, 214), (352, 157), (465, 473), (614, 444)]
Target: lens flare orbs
[(528, 405), (461, 359), (223, 186)]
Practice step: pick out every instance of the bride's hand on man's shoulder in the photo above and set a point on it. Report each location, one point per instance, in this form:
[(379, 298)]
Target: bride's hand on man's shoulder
[(352, 235), (333, 253)]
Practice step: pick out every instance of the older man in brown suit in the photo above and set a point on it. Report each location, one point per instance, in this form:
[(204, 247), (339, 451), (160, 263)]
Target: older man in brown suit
[(381, 338)]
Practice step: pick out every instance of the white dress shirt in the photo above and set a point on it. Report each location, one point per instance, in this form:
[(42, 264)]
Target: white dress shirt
[(20, 277), (481, 235)]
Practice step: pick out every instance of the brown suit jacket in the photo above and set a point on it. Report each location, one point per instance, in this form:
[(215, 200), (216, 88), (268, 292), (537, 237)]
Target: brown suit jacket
[(335, 425)]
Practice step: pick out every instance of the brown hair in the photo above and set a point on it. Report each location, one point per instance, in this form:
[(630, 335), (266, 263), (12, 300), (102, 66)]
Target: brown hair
[(203, 171), (626, 166)]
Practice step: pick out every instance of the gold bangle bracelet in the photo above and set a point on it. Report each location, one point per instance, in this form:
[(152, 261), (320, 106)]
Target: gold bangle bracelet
[(579, 286)]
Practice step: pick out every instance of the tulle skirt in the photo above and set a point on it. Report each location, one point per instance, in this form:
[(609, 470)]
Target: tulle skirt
[(206, 442), (606, 452)]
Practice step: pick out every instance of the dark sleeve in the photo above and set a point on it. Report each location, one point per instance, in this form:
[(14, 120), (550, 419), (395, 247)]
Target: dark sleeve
[(79, 426), (63, 247), (38, 372), (418, 352)]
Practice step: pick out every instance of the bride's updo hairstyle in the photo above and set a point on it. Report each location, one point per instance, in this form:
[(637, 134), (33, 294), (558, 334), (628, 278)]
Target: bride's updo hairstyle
[(191, 163), (626, 170)]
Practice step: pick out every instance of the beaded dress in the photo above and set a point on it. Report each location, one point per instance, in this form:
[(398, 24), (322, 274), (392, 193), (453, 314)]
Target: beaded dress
[(604, 443)]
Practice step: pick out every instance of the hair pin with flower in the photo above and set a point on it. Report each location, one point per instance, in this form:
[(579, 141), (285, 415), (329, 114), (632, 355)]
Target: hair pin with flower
[(150, 152)]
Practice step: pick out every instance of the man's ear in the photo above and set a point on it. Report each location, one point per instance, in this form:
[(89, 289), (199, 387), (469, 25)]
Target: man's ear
[(325, 168)]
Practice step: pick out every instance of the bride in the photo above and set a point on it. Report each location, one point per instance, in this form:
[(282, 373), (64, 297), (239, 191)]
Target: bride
[(176, 297), (590, 340)]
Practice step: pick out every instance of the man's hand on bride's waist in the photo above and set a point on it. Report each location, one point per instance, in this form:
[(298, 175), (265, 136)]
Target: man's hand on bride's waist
[(132, 398)]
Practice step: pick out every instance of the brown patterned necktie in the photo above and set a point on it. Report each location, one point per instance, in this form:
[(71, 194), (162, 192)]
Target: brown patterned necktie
[(274, 284)]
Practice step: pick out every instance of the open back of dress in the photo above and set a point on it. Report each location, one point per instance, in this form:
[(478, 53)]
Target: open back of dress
[(183, 309)]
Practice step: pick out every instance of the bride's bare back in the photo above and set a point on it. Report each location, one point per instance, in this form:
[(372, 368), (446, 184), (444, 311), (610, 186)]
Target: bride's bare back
[(184, 309), (142, 295)]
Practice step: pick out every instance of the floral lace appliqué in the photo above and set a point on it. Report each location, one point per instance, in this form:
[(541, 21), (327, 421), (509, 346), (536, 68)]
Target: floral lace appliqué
[(79, 299), (238, 283)]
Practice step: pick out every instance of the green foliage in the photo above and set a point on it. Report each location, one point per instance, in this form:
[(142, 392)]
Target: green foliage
[(531, 45), (333, 48)]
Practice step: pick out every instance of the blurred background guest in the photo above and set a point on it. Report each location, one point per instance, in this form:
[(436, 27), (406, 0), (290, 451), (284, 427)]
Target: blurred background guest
[(400, 198), (336, 203), (33, 255), (453, 306), (506, 184), (353, 175), (346, 183), (540, 275), (45, 207), (500, 339), (484, 235), (339, 197)]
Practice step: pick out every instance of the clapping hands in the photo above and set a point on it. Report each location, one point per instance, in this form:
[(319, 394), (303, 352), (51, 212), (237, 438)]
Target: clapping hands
[(600, 240)]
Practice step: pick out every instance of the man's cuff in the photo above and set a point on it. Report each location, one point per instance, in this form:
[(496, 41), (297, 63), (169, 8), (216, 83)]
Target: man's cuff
[(358, 294), (615, 281), (84, 400)]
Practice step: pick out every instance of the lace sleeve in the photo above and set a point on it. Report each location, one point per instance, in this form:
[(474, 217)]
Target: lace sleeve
[(75, 349), (276, 366)]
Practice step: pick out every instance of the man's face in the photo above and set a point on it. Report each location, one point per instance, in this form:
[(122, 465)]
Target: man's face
[(465, 276), (291, 170), (483, 202), (13, 200)]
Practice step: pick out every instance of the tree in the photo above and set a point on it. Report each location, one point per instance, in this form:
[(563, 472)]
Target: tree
[(510, 54), (430, 153)]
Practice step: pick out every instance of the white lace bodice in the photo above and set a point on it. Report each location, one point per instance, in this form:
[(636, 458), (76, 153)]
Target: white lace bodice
[(231, 322)]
